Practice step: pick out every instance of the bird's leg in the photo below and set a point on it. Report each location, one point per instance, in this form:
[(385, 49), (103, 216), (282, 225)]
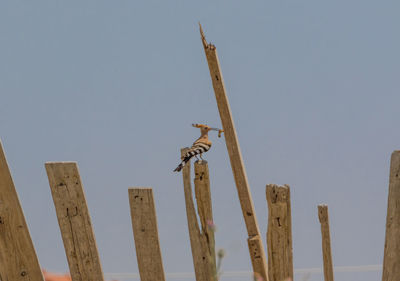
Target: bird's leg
[(201, 157), (197, 158)]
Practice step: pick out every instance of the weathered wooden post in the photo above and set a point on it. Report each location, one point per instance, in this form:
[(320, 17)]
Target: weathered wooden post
[(204, 209), (279, 233), (198, 241), (391, 258), (74, 221), (18, 260), (326, 242), (256, 249), (145, 230)]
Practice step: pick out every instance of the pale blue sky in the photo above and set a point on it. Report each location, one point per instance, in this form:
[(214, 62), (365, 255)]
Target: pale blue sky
[(115, 85)]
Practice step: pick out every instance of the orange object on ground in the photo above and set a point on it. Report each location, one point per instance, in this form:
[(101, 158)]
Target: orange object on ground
[(55, 277)]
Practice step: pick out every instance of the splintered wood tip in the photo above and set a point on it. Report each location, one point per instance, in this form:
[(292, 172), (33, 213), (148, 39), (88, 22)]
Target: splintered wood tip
[(203, 37)]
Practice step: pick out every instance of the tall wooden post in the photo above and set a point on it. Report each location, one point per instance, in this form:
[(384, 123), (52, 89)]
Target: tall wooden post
[(326, 242), (391, 259), (204, 208), (279, 234), (198, 241), (256, 249), (145, 230), (18, 260), (74, 221)]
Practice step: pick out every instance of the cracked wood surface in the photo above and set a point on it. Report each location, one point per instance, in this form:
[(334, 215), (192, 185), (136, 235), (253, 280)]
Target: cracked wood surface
[(198, 241), (74, 221), (279, 233), (323, 216), (18, 260), (145, 230), (204, 209), (239, 173)]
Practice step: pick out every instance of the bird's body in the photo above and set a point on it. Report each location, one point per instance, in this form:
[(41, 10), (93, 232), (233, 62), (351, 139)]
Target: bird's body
[(201, 145)]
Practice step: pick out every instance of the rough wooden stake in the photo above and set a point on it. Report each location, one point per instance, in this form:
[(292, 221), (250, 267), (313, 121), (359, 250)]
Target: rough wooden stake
[(279, 234), (235, 156), (257, 256), (198, 241), (204, 207), (18, 260), (74, 221), (391, 259), (326, 242), (145, 230)]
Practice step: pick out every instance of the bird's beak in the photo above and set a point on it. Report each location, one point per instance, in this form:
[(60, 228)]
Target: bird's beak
[(218, 130)]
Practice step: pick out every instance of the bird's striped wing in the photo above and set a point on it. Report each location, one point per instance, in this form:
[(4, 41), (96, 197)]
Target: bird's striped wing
[(197, 148)]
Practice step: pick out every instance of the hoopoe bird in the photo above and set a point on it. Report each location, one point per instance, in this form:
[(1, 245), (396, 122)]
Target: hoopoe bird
[(201, 145)]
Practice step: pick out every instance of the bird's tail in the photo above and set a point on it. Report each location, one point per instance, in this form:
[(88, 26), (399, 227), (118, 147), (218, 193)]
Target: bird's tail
[(179, 168), (182, 164)]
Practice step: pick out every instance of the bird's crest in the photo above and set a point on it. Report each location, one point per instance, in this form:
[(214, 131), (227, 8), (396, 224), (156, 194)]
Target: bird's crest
[(200, 126)]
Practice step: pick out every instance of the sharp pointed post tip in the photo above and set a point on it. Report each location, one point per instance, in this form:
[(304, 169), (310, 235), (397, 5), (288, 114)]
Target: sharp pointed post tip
[(203, 37)]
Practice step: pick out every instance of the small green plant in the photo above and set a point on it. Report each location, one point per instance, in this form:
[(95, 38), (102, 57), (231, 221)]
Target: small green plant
[(220, 256)]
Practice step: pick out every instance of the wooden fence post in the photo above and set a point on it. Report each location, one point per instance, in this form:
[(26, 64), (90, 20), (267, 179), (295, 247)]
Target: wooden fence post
[(391, 258), (145, 230), (256, 249), (204, 209), (18, 260), (74, 221), (279, 234), (326, 242), (198, 241)]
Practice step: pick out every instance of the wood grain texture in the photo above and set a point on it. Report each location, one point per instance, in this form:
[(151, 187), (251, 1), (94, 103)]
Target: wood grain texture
[(257, 256), (204, 209), (279, 233), (235, 155), (18, 260), (231, 140), (326, 242), (198, 242), (145, 230), (391, 259), (74, 221)]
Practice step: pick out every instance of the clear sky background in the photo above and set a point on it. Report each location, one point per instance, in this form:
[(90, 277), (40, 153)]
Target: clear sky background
[(115, 85)]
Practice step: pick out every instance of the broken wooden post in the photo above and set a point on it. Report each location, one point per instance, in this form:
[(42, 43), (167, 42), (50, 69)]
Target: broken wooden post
[(18, 260), (198, 242), (74, 221), (326, 242), (145, 230), (391, 258), (204, 209), (256, 249), (279, 233)]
